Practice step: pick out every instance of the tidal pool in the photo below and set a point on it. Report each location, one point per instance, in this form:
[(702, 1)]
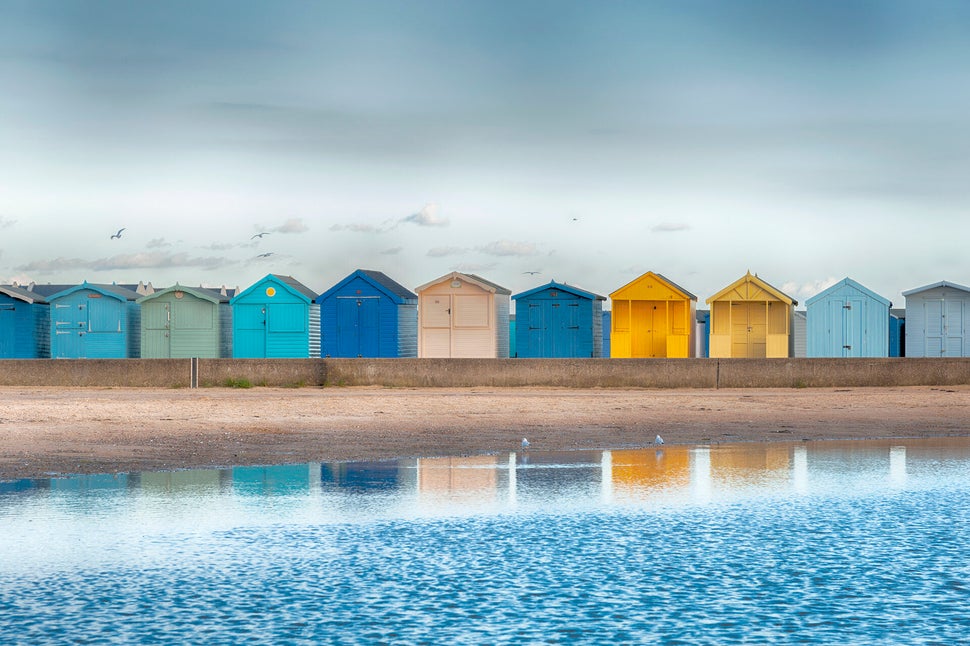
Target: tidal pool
[(822, 542)]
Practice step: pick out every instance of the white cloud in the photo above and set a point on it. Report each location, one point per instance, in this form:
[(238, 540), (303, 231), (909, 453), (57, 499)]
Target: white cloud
[(801, 291), (292, 225), (428, 216), (157, 243), (393, 251), (6, 222), (509, 248), (153, 260), (441, 252), (471, 266)]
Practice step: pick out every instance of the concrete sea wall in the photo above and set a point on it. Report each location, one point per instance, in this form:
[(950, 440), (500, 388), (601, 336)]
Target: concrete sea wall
[(568, 373)]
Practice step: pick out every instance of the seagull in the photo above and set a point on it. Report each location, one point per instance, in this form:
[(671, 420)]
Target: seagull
[(532, 272), (658, 440), (265, 255), (117, 235), (260, 235), (525, 443)]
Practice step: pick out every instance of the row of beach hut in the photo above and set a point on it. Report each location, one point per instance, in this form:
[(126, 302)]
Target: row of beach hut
[(367, 314)]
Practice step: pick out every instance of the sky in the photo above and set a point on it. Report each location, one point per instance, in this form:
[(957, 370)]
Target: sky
[(588, 142)]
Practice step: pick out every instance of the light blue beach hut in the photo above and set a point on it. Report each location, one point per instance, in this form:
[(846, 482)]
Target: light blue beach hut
[(557, 320), (24, 324), (275, 318), (181, 322), (937, 318), (95, 321), (847, 320), (367, 314)]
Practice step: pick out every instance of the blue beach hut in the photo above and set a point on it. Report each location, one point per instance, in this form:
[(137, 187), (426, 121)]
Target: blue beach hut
[(275, 318), (557, 320), (847, 320), (368, 315), (937, 318), (95, 321), (24, 324)]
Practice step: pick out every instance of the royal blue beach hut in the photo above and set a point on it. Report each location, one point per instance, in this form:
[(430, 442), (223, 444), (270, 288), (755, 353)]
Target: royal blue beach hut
[(24, 324), (367, 314), (937, 320), (95, 321), (275, 318), (847, 320), (557, 320), (182, 322)]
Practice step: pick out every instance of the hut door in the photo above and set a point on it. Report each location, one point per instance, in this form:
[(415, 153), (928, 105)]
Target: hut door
[(853, 328), (358, 332), (749, 329), (954, 328), (70, 323), (250, 331), (436, 326), (157, 339), (565, 327), (649, 329), (536, 331), (935, 332)]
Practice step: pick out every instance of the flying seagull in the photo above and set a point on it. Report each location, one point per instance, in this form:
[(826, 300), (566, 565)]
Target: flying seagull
[(117, 235), (265, 255), (532, 272), (658, 440), (260, 235)]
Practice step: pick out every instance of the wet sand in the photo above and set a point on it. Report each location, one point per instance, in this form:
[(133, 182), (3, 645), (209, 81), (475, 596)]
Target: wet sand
[(53, 431)]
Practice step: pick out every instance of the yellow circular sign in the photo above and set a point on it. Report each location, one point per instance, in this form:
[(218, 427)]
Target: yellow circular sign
[(271, 291)]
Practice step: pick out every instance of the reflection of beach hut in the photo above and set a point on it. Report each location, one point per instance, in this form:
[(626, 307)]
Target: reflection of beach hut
[(651, 468), (750, 318), (283, 479), (91, 321), (275, 318), (473, 475), (937, 318), (368, 315), (181, 322), (847, 320), (24, 324), (463, 315), (652, 317), (558, 321)]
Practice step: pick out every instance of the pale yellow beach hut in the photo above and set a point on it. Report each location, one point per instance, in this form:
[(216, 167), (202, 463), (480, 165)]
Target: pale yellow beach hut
[(751, 319), (463, 315)]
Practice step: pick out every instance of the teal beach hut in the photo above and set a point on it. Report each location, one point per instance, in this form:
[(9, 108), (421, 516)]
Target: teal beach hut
[(847, 320), (24, 324), (183, 322), (275, 318), (95, 321)]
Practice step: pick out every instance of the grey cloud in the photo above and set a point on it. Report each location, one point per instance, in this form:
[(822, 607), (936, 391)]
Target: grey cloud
[(471, 266), (6, 222), (509, 248), (154, 260), (441, 252), (669, 227), (393, 251), (158, 243), (292, 225), (358, 228)]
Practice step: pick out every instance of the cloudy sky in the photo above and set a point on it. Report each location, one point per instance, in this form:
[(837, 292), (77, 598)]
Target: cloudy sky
[(588, 141)]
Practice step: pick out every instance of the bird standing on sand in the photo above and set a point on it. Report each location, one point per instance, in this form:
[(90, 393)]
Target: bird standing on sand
[(658, 440), (525, 443), (117, 235)]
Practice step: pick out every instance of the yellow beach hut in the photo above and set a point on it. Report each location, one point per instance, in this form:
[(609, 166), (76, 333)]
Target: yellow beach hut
[(652, 317), (752, 319)]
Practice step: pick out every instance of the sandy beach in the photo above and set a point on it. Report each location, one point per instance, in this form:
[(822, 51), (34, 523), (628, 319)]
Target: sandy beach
[(53, 431)]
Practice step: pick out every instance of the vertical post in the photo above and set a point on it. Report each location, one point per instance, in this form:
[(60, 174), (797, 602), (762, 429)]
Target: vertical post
[(194, 372)]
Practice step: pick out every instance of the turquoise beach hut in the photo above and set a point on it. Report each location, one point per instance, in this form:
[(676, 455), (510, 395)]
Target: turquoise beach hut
[(275, 318)]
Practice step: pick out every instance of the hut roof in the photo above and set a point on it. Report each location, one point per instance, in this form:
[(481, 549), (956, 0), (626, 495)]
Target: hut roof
[(754, 278), (582, 293), (942, 283), (487, 285)]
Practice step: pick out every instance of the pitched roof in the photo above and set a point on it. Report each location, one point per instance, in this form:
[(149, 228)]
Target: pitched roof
[(942, 283), (582, 293), (21, 294), (487, 285), (764, 285), (392, 285), (850, 283), (661, 278), (116, 291)]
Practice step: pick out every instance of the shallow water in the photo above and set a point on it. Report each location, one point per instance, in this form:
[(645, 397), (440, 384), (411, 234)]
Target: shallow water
[(848, 542)]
